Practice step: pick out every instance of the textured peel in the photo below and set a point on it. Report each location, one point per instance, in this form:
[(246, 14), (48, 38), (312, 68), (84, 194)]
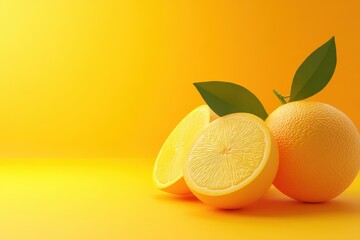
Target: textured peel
[(319, 150)]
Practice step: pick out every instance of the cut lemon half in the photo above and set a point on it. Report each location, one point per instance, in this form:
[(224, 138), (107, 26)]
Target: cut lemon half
[(233, 162), (168, 169)]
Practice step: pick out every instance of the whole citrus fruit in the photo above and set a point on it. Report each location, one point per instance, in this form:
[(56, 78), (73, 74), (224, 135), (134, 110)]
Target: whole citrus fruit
[(319, 150), (233, 161)]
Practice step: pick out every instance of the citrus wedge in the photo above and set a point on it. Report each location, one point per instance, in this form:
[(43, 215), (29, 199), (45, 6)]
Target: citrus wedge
[(233, 162), (167, 173)]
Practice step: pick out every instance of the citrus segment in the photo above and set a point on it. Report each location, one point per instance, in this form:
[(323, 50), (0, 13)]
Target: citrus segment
[(233, 162), (167, 173)]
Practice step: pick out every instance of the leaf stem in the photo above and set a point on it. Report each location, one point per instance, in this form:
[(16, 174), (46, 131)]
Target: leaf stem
[(280, 97)]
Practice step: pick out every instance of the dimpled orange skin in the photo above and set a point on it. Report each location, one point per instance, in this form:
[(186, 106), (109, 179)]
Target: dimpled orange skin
[(319, 150)]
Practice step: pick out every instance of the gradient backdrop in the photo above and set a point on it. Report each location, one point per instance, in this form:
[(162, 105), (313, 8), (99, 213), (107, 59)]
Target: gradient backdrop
[(112, 78)]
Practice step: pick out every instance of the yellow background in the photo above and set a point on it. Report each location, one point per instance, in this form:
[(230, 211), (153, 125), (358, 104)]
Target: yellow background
[(108, 80), (112, 78)]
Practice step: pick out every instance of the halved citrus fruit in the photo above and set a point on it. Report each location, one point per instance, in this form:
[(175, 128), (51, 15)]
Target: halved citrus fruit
[(233, 162), (168, 172)]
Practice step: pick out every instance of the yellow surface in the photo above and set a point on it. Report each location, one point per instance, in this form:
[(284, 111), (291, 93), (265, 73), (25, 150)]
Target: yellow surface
[(99, 78), (104, 199)]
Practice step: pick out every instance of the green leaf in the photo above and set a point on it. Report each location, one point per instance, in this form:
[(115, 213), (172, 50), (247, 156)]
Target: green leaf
[(315, 72), (225, 98)]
